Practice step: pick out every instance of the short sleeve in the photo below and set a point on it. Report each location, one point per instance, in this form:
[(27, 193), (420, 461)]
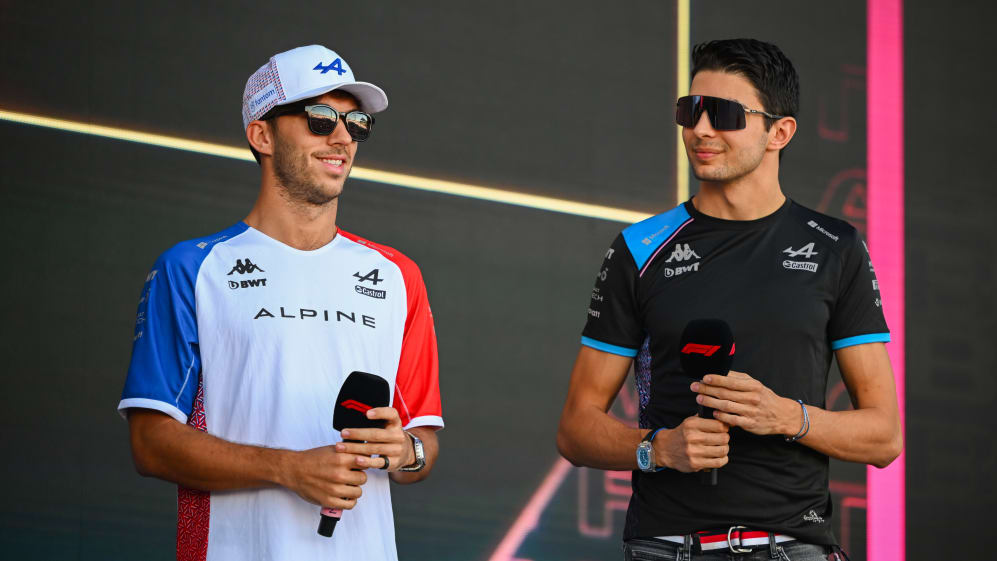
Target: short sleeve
[(417, 384), (613, 324), (857, 316), (165, 364)]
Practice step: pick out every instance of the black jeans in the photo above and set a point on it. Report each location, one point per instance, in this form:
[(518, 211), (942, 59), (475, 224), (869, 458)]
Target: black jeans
[(658, 550)]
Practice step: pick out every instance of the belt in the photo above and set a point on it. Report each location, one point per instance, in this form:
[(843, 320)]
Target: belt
[(737, 538)]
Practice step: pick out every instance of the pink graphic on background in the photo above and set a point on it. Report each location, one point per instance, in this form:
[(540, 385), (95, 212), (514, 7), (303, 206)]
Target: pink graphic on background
[(853, 84), (616, 489), (530, 516), (885, 152)]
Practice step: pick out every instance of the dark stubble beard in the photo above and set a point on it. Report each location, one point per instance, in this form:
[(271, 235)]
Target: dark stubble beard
[(747, 163), (291, 170)]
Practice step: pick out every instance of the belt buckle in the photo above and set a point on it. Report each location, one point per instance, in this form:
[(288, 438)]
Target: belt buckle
[(738, 548)]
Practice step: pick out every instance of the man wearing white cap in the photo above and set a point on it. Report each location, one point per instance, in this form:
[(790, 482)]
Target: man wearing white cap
[(244, 338)]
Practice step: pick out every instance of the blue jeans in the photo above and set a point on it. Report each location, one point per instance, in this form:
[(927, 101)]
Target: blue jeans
[(658, 550)]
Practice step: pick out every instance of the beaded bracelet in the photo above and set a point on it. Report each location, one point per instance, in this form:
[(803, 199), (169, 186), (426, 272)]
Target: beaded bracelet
[(806, 424)]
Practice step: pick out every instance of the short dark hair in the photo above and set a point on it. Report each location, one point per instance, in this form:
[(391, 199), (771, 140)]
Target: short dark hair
[(763, 64)]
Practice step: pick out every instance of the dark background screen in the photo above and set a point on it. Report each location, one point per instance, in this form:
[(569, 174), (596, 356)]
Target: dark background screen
[(566, 100)]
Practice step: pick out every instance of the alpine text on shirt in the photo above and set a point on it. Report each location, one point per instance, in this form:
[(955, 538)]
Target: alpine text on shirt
[(250, 340)]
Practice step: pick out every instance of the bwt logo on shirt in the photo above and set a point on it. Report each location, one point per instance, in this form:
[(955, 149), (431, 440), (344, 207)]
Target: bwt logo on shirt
[(247, 283), (670, 272)]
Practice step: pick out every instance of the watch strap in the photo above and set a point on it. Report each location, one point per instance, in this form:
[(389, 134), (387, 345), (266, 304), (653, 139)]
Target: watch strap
[(649, 438), (420, 454)]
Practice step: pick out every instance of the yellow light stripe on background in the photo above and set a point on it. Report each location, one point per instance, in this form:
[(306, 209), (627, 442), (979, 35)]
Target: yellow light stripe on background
[(490, 194), (682, 85)]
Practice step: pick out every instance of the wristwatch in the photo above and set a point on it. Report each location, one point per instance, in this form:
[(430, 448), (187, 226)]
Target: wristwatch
[(420, 455), (645, 454)]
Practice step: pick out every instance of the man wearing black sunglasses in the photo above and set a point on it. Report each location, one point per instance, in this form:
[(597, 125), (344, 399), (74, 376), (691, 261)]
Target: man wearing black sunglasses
[(797, 289), (245, 337)]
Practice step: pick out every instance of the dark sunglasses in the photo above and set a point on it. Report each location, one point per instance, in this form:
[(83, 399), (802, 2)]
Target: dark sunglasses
[(322, 119), (724, 114)]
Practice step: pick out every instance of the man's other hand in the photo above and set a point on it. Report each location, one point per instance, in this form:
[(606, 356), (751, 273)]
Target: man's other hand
[(391, 442), (694, 445), (325, 476), (741, 401)]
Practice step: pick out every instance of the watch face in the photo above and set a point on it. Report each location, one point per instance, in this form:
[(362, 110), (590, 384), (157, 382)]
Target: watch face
[(643, 457)]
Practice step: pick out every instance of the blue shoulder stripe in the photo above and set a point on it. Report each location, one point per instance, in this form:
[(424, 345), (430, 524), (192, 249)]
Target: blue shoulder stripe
[(646, 236), (207, 242), (606, 347), (860, 340), (166, 359)]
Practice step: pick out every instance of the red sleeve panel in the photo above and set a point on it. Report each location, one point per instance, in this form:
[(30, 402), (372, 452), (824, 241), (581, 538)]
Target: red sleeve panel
[(417, 383)]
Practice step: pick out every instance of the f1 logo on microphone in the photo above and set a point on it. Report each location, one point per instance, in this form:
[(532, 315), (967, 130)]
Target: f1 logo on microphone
[(356, 405), (698, 349)]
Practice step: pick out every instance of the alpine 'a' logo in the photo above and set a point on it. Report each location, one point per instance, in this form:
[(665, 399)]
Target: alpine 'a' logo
[(682, 252), (805, 251), (356, 405), (371, 276), (245, 266)]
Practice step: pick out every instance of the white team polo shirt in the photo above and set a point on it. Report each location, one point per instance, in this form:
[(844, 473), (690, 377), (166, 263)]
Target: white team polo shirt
[(250, 339)]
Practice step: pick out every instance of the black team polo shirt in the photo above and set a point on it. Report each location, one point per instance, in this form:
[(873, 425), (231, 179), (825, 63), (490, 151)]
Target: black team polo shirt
[(794, 286)]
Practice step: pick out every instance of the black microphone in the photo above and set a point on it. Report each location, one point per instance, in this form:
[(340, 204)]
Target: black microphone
[(360, 392), (706, 347)]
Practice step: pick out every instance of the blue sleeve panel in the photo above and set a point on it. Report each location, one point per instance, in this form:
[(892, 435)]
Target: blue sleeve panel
[(166, 363), (646, 236), (606, 347), (860, 340)]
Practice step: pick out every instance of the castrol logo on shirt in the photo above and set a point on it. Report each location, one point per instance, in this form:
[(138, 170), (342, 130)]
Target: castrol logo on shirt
[(373, 277)]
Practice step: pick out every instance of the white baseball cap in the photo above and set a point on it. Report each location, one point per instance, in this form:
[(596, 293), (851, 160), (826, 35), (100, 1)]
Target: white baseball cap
[(303, 73)]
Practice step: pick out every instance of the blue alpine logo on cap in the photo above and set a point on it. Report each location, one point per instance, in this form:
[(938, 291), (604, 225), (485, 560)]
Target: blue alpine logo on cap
[(336, 65)]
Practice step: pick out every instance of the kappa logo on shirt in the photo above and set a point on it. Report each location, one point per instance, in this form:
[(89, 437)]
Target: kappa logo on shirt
[(682, 253), (245, 266)]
